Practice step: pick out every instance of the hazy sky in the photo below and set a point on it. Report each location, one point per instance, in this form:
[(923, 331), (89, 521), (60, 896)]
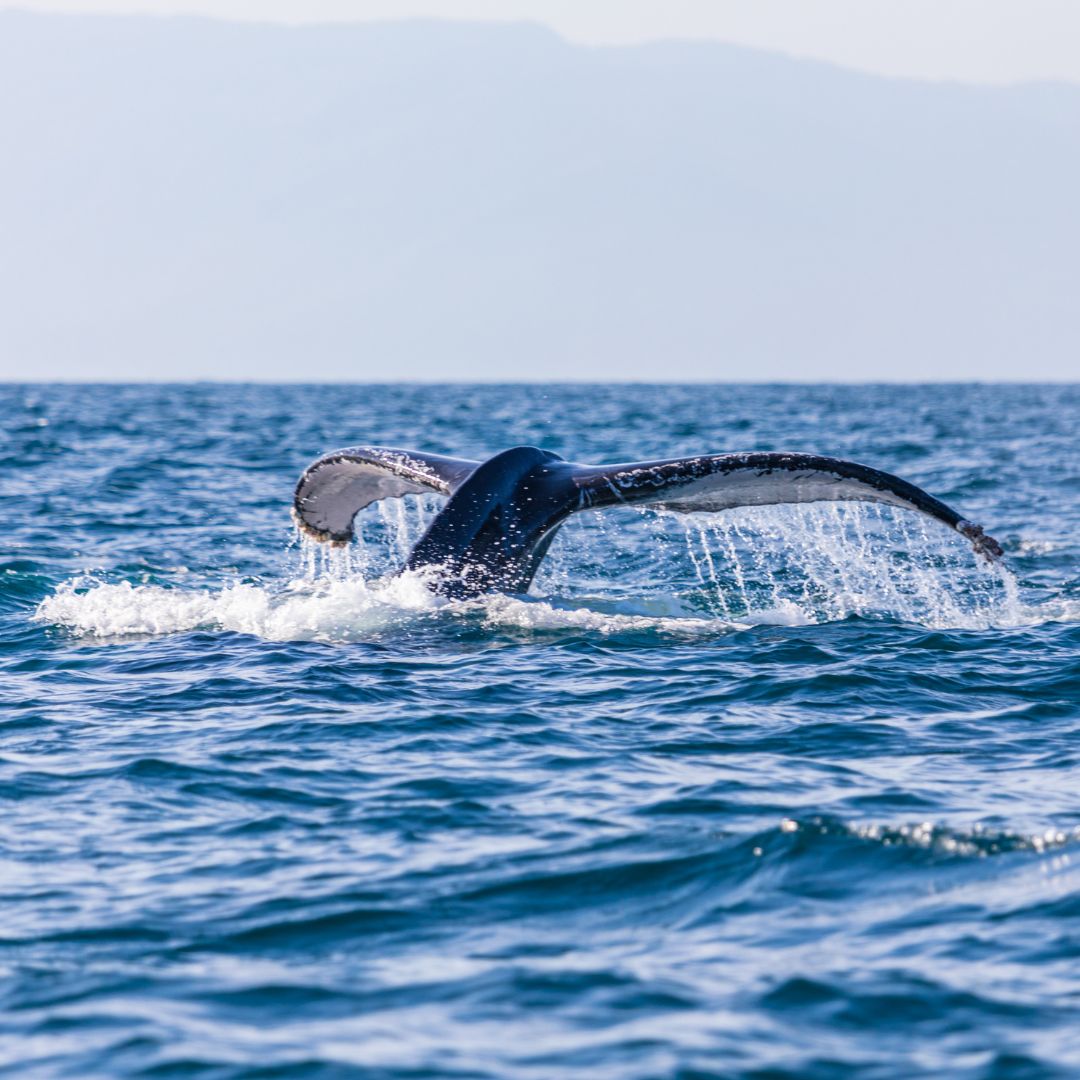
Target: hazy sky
[(482, 200), (968, 40)]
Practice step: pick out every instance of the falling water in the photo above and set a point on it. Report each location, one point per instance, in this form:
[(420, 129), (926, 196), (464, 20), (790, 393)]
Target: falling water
[(825, 561), (828, 561), (835, 560)]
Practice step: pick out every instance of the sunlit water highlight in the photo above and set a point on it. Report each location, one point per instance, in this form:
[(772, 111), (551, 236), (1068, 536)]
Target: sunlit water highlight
[(776, 792)]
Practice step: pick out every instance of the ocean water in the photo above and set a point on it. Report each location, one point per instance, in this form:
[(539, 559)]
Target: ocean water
[(775, 793)]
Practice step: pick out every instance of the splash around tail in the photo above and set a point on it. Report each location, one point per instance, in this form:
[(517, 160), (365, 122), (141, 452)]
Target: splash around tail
[(502, 514)]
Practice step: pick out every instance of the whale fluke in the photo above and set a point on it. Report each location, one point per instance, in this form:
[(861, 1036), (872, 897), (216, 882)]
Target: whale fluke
[(334, 489), (502, 514)]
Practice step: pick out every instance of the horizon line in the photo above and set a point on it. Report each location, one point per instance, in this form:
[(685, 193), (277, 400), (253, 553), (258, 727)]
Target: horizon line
[(6, 382)]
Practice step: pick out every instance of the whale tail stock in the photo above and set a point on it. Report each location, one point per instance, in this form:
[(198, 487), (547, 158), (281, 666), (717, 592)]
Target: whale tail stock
[(502, 514)]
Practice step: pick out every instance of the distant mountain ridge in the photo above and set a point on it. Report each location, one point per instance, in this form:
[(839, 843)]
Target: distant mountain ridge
[(191, 199)]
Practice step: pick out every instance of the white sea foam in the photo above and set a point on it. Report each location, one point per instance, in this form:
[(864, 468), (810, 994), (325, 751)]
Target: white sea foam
[(687, 575), (335, 609), (975, 840), (320, 608)]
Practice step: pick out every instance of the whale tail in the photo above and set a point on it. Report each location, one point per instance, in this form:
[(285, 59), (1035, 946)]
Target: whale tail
[(502, 514)]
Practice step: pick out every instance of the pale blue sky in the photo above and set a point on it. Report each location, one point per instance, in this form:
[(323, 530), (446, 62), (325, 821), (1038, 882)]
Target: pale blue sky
[(456, 200), (969, 40)]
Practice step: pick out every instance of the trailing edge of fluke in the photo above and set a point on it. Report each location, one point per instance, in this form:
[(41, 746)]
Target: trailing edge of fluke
[(502, 514)]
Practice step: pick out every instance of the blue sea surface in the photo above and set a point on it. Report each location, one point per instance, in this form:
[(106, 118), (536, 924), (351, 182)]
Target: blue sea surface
[(780, 792)]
